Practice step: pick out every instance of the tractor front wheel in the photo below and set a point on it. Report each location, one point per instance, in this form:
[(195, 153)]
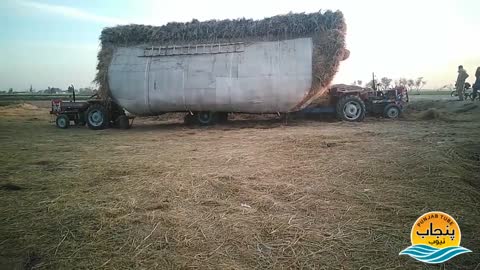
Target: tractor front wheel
[(392, 111), (97, 117), (62, 121), (351, 108)]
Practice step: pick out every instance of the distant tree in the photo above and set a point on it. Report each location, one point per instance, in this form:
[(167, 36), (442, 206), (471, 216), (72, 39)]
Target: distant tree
[(402, 82), (86, 91), (10, 91), (31, 89), (385, 82), (419, 84), (359, 82), (369, 84), (410, 83), (52, 90)]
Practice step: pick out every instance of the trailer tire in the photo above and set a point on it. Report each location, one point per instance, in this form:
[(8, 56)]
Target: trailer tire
[(350, 108), (392, 111), (122, 122), (97, 117), (62, 121), (206, 118)]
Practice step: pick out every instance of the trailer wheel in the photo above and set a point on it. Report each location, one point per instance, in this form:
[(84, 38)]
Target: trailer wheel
[(122, 122), (97, 117), (62, 121), (206, 118), (351, 108), (392, 111)]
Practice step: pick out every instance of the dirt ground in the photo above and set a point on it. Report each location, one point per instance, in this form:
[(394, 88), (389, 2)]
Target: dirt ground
[(249, 194)]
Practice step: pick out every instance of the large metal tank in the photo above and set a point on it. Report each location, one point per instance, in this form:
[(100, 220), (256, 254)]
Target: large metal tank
[(253, 77)]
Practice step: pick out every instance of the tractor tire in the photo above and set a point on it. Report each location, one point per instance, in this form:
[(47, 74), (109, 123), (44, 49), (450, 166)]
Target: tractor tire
[(206, 118), (392, 111), (122, 122), (97, 117), (351, 108), (62, 121)]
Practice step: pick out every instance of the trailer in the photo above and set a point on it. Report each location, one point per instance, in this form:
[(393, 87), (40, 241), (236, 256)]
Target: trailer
[(210, 69)]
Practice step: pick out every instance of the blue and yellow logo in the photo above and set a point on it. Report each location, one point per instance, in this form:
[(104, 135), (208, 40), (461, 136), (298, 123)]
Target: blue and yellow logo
[(435, 238)]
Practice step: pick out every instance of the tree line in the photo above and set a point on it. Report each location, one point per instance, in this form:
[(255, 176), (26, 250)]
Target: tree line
[(387, 83), (52, 91)]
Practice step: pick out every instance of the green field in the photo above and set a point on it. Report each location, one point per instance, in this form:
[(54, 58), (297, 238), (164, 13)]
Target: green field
[(430, 92), (9, 99), (28, 97)]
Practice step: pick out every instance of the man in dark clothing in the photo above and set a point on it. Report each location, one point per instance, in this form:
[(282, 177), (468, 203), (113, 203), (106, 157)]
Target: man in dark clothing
[(476, 85), (460, 84)]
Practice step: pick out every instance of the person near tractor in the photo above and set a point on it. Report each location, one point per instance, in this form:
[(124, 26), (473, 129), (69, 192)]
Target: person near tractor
[(476, 85), (460, 84)]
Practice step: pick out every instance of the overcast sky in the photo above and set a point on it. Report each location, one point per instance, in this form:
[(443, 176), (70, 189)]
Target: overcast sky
[(54, 43)]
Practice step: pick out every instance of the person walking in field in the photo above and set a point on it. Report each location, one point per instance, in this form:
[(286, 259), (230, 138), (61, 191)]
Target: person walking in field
[(460, 84), (476, 85)]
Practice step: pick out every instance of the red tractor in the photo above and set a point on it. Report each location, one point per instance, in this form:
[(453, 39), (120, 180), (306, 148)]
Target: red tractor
[(352, 103), (96, 113)]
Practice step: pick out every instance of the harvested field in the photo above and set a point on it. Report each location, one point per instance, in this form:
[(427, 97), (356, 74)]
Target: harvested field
[(248, 194)]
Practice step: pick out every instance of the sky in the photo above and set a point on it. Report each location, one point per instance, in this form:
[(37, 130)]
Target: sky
[(54, 43)]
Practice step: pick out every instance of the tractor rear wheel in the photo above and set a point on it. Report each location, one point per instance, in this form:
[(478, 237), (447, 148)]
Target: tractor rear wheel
[(97, 117), (62, 121), (351, 108)]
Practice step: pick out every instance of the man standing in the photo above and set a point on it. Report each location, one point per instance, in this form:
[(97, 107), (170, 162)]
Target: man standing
[(476, 85), (460, 84)]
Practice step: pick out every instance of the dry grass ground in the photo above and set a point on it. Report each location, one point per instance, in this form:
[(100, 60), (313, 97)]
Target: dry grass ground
[(245, 195)]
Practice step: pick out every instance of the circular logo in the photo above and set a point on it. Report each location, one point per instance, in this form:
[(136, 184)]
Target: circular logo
[(435, 238), (436, 229)]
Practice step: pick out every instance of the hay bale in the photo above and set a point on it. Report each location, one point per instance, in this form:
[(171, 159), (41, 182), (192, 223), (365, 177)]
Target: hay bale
[(430, 114), (327, 30)]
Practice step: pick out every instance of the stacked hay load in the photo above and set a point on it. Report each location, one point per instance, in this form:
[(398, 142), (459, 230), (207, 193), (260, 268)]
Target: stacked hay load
[(327, 31)]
